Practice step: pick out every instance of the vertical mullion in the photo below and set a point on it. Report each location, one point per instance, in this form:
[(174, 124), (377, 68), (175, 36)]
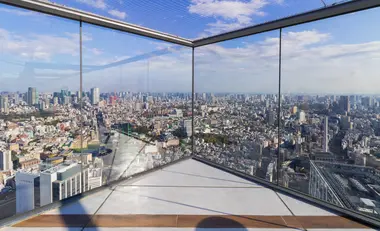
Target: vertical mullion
[(81, 85), (192, 103), (279, 108)]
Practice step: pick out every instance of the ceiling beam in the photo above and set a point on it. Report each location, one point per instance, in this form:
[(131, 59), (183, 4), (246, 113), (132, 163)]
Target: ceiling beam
[(327, 12), (78, 15)]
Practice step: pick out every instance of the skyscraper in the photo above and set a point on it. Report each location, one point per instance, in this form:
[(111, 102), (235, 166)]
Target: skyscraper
[(95, 95), (270, 117), (6, 163), (4, 104), (187, 127), (325, 134), (344, 103), (32, 96), (27, 190)]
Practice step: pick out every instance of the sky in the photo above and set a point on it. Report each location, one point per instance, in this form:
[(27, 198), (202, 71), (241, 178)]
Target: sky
[(333, 56)]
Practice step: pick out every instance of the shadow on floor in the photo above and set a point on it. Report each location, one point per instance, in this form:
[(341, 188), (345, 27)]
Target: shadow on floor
[(211, 210), (219, 223), (74, 216)]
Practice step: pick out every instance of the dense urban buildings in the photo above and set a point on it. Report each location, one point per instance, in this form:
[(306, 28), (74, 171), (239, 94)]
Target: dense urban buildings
[(53, 147), (327, 145)]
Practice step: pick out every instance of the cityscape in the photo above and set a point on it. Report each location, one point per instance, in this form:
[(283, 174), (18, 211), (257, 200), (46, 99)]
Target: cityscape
[(297, 106), (57, 145)]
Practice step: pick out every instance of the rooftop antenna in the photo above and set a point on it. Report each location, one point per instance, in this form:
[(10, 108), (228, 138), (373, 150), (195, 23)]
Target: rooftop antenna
[(324, 3)]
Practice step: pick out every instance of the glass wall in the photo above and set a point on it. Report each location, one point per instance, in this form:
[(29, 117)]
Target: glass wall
[(236, 104), (328, 141), (63, 133), (330, 128), (39, 120), (138, 95), (60, 134)]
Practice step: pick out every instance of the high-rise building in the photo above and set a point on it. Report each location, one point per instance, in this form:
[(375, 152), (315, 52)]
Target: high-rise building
[(47, 102), (325, 134), (32, 97), (4, 104), (62, 181), (55, 100), (344, 103), (188, 127), (67, 100), (294, 110), (270, 117), (16, 98), (95, 95), (27, 190), (301, 116), (6, 163)]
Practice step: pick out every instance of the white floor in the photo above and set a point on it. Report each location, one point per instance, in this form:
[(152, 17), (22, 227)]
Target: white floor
[(188, 187)]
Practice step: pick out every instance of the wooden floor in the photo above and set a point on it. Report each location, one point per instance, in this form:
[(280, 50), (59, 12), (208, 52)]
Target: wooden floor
[(192, 221)]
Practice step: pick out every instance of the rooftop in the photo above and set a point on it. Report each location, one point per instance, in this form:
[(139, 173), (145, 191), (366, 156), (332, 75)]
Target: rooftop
[(187, 195)]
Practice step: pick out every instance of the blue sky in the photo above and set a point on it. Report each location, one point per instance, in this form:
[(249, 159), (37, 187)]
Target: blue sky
[(342, 49)]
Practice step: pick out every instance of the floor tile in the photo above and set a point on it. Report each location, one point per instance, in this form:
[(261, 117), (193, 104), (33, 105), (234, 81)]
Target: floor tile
[(207, 201), (193, 173), (300, 208), (86, 205)]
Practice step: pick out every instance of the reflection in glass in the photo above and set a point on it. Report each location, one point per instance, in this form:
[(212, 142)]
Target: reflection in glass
[(39, 112), (236, 104), (137, 101), (330, 111)]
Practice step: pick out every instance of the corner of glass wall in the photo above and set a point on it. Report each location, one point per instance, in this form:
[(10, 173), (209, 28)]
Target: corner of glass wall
[(236, 104), (39, 56), (330, 111), (136, 102)]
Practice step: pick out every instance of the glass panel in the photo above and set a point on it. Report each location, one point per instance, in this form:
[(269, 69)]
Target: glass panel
[(236, 108), (39, 56), (197, 18), (137, 101), (330, 110)]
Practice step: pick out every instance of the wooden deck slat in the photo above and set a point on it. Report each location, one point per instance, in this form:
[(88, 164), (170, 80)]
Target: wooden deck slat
[(190, 221)]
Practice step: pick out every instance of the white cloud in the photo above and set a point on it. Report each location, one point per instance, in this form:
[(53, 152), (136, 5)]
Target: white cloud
[(41, 47), (96, 51), (75, 36), (227, 9), (309, 65), (220, 26), (118, 14), (19, 12), (99, 4), (229, 14)]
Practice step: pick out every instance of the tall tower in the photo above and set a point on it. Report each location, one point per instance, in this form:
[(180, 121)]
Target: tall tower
[(344, 103), (325, 134), (4, 104), (95, 95), (6, 163), (32, 96)]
